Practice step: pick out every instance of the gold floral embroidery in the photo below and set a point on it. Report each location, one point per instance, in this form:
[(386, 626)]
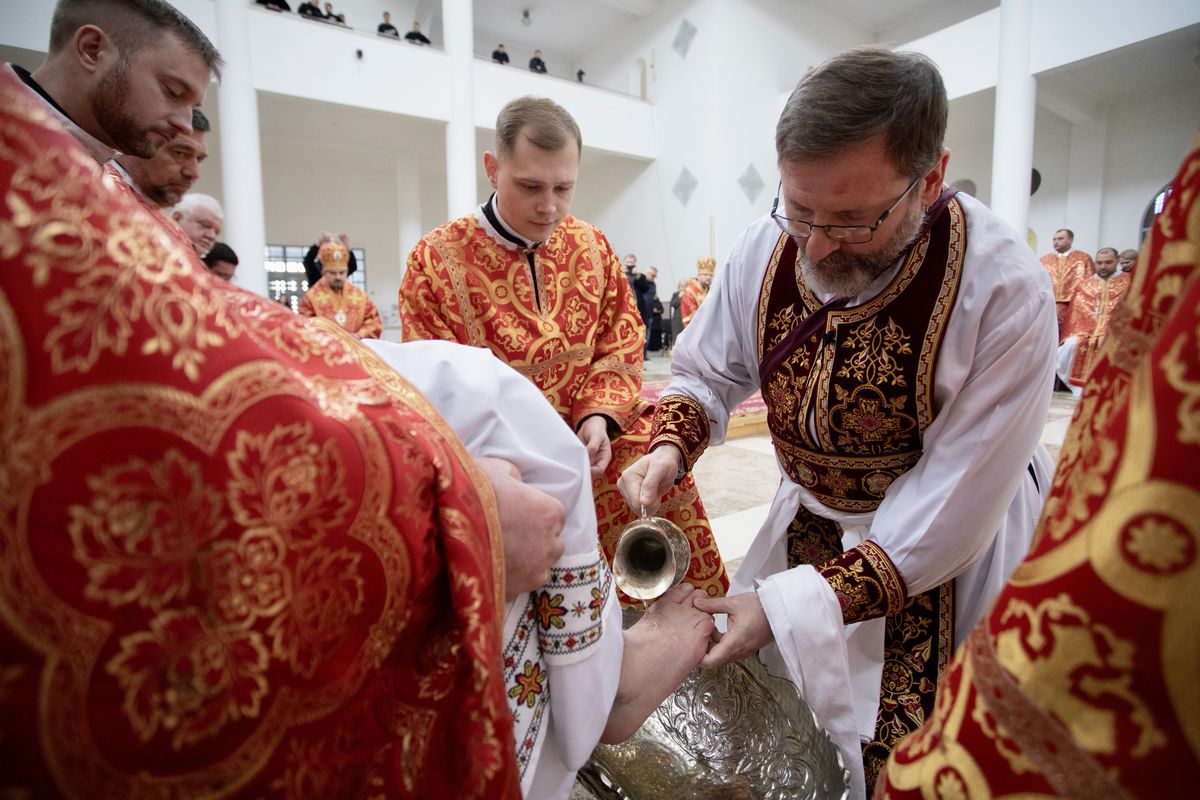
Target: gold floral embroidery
[(249, 578), (188, 678), (328, 592), (681, 421), (1093, 662), (289, 482), (874, 353), (141, 534)]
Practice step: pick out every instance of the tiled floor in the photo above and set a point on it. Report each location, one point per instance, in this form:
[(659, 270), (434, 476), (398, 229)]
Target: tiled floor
[(738, 479)]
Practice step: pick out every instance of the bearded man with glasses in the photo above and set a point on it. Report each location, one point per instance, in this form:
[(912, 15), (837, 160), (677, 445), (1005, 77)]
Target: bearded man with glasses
[(903, 339)]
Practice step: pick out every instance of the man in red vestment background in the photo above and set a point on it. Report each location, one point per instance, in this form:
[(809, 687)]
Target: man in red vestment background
[(1066, 267), (1087, 318), (696, 289), (1081, 682), (545, 292), (333, 297)]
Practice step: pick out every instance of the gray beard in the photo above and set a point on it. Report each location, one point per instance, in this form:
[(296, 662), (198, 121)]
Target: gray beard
[(841, 274)]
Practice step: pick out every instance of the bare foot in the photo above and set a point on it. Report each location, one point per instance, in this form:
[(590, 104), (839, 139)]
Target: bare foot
[(660, 651)]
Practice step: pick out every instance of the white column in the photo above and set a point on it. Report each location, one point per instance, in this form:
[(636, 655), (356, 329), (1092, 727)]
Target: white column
[(1085, 183), (241, 155), (1016, 94), (408, 205), (458, 32)]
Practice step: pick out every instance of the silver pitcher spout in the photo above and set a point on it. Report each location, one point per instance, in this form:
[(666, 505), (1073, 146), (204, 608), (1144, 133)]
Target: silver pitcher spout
[(652, 556)]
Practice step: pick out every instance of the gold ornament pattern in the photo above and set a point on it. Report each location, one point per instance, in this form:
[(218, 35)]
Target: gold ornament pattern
[(866, 386), (578, 337), (205, 574)]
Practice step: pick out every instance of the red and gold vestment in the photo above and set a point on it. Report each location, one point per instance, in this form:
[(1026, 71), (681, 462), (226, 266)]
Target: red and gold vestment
[(170, 227), (349, 308), (239, 557), (563, 316), (1081, 682), (1087, 318), (1066, 271), (689, 302)]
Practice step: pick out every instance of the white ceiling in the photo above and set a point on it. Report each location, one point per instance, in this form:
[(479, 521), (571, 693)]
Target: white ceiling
[(904, 20), (1159, 63)]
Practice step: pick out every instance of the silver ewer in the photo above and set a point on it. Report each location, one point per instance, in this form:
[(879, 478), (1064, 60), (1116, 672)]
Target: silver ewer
[(652, 556)]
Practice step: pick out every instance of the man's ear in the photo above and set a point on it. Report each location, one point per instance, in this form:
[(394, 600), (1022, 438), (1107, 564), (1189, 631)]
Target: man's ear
[(93, 48), (490, 165), (931, 188)]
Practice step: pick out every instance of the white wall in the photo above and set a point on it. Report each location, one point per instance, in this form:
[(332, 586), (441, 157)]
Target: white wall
[(1147, 139), (715, 112)]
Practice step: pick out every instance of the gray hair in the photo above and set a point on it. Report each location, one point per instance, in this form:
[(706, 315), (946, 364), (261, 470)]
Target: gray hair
[(540, 120), (863, 93), (132, 25), (192, 202)]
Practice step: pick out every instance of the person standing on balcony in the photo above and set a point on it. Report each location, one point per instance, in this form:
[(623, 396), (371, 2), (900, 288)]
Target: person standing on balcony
[(415, 36), (386, 28), (311, 10), (536, 64), (499, 55)]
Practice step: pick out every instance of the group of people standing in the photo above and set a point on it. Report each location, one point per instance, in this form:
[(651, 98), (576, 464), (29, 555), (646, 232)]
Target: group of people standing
[(247, 552), (664, 324), (1086, 292)]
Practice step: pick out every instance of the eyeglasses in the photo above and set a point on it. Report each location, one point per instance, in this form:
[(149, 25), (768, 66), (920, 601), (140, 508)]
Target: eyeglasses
[(848, 234)]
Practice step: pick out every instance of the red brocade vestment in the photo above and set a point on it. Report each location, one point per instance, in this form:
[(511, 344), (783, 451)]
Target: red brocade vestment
[(693, 295), (1066, 271), (239, 557), (577, 335), (1081, 682), (1088, 316), (350, 308)]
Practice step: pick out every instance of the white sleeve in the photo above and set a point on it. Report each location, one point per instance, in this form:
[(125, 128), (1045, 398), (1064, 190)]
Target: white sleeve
[(499, 413), (940, 517)]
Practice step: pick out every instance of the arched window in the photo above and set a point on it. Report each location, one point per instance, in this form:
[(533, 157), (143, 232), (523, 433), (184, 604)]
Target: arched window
[(1153, 210)]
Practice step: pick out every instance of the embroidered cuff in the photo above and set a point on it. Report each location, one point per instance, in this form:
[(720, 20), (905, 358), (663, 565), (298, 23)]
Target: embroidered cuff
[(681, 421), (866, 583), (569, 609)]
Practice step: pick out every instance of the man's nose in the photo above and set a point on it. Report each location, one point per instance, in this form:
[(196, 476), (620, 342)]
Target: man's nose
[(181, 120), (820, 245)]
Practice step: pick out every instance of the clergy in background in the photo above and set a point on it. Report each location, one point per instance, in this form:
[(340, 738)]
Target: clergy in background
[(696, 289), (1087, 318), (1067, 267), (545, 292), (334, 297)]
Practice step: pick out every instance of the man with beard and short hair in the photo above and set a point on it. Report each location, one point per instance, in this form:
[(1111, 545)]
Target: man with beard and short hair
[(333, 297), (159, 183), (1067, 268), (166, 178), (1086, 323), (200, 216), (903, 340), (128, 86)]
